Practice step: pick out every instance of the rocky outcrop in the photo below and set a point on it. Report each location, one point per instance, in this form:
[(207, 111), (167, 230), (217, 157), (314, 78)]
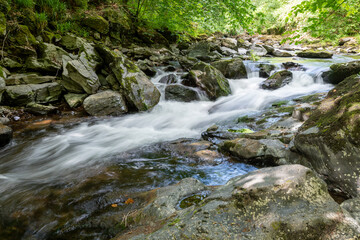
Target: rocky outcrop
[(330, 137), (208, 79), (314, 54), (180, 93), (233, 68), (287, 202), (277, 80), (339, 71), (105, 103)]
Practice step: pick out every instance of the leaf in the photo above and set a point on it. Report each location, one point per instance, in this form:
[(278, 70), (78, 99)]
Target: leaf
[(129, 201)]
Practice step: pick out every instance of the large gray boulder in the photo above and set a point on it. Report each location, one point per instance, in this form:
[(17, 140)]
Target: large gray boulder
[(180, 93), (208, 79), (21, 95), (329, 139), (233, 68), (258, 50), (277, 80), (314, 54), (105, 103), (287, 202), (339, 71)]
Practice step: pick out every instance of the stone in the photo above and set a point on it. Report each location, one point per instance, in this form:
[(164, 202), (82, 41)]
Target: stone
[(200, 50), (22, 36), (79, 73), (187, 62), (231, 43), (105, 103), (168, 79), (10, 63), (293, 66), (208, 79), (265, 70), (39, 109), (286, 202), (180, 93), (314, 54), (28, 78), (329, 139), (71, 42), (339, 71), (21, 95), (353, 207), (277, 80), (228, 51), (97, 23), (146, 68), (75, 100), (6, 134), (279, 53), (233, 68), (4, 120), (258, 50)]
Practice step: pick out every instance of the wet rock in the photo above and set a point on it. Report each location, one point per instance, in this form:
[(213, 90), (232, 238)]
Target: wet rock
[(267, 151), (39, 109), (28, 78), (6, 134), (277, 80), (168, 79), (314, 54), (266, 69), (180, 93), (293, 66), (200, 50), (75, 100), (170, 69), (303, 111), (353, 207), (187, 62), (233, 68), (339, 71), (209, 79), (279, 53), (258, 50), (287, 202), (146, 68), (330, 137), (79, 76), (97, 23), (105, 103), (21, 95)]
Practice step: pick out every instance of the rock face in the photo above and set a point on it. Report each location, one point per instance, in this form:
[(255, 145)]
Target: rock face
[(233, 68), (330, 137), (21, 95), (287, 202), (105, 103), (338, 72), (209, 79), (277, 80), (180, 93), (6, 134), (314, 54)]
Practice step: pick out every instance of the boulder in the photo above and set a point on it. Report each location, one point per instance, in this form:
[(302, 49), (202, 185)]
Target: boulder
[(187, 62), (258, 50), (339, 71), (180, 93), (97, 23), (21, 95), (353, 207), (39, 109), (22, 36), (6, 134), (146, 68), (208, 79), (105, 103), (231, 43), (168, 79), (314, 54), (71, 42), (75, 100), (330, 137), (293, 66), (200, 50), (277, 80), (286, 202), (28, 78), (228, 51), (233, 68), (279, 53), (265, 70), (79, 77)]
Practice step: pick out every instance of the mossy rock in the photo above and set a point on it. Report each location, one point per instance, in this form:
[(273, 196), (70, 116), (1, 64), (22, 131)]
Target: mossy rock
[(330, 138), (339, 71), (277, 80), (233, 68), (314, 54), (4, 6), (22, 36), (97, 23)]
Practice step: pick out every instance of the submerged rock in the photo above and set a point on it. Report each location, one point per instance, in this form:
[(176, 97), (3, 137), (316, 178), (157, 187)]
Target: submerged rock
[(330, 137), (277, 80), (209, 79), (287, 202), (105, 103), (168, 79), (339, 71), (6, 134), (314, 54), (180, 93), (233, 68)]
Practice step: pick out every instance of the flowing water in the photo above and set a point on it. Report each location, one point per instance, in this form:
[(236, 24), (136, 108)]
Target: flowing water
[(64, 153)]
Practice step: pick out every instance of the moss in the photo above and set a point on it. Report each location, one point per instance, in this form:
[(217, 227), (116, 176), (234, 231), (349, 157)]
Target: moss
[(243, 130), (262, 121), (279, 103), (285, 109), (23, 36), (174, 222), (310, 98), (245, 119), (97, 23)]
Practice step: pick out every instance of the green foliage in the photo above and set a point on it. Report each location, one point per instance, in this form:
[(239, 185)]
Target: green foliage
[(24, 3), (41, 21), (253, 56), (64, 27)]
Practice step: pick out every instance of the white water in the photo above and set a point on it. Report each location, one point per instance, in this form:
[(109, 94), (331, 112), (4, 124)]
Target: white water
[(57, 155)]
